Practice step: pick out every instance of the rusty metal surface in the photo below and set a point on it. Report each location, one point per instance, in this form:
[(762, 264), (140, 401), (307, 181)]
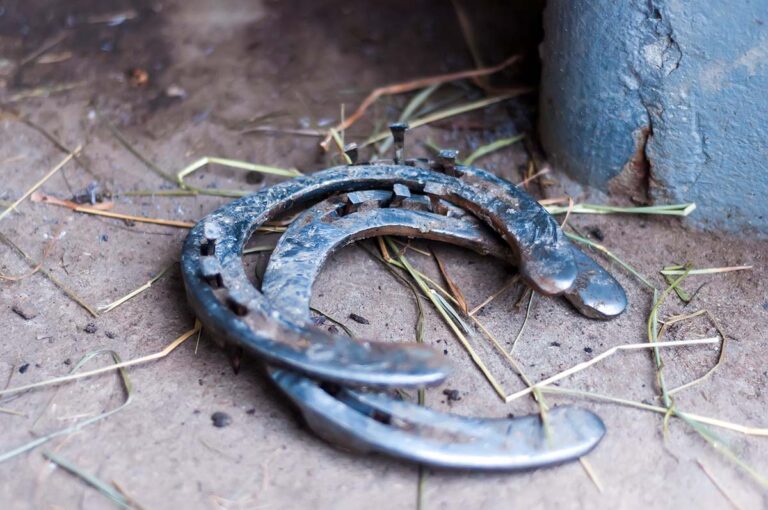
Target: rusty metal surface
[(229, 306)]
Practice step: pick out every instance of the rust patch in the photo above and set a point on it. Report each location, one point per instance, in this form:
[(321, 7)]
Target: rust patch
[(632, 184)]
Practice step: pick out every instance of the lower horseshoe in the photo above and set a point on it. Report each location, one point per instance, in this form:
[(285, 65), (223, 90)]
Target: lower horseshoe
[(229, 306), (369, 422), (377, 422)]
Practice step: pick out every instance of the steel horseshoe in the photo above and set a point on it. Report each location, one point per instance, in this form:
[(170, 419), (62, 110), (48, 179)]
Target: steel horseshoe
[(228, 305), (370, 422)]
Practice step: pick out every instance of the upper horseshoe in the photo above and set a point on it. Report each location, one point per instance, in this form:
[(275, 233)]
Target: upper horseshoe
[(226, 302)]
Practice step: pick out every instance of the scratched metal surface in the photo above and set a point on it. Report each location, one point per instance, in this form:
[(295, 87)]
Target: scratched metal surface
[(237, 312), (326, 227), (370, 422)]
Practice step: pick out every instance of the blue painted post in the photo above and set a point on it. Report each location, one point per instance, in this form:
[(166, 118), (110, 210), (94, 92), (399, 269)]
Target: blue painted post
[(666, 100)]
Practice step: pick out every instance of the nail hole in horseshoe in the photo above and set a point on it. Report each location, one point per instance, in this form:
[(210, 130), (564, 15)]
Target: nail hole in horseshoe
[(215, 281), (237, 308), (207, 248)]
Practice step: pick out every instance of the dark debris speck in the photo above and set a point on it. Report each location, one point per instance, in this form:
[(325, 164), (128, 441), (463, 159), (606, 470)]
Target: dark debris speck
[(220, 419), (453, 395), (91, 328), (110, 334), (254, 177), (359, 318), (587, 349), (597, 233), (23, 368), (554, 344), (332, 329)]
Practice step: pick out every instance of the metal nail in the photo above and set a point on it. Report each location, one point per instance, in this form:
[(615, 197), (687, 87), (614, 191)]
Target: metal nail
[(398, 135)]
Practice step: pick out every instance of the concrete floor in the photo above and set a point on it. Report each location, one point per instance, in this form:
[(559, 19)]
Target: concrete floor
[(291, 64)]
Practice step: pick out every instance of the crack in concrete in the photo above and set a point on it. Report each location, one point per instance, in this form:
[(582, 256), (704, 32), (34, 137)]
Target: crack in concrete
[(703, 145)]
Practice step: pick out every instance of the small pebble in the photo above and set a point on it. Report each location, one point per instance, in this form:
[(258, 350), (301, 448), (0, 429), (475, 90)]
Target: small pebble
[(23, 368), (587, 349), (554, 344), (176, 91), (24, 310), (359, 318), (91, 328), (220, 419)]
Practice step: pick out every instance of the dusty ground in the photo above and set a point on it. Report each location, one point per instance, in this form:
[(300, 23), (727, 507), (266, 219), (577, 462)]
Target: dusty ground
[(291, 64)]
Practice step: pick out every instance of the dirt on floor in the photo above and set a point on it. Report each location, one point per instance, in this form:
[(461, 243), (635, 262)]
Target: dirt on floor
[(183, 80)]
